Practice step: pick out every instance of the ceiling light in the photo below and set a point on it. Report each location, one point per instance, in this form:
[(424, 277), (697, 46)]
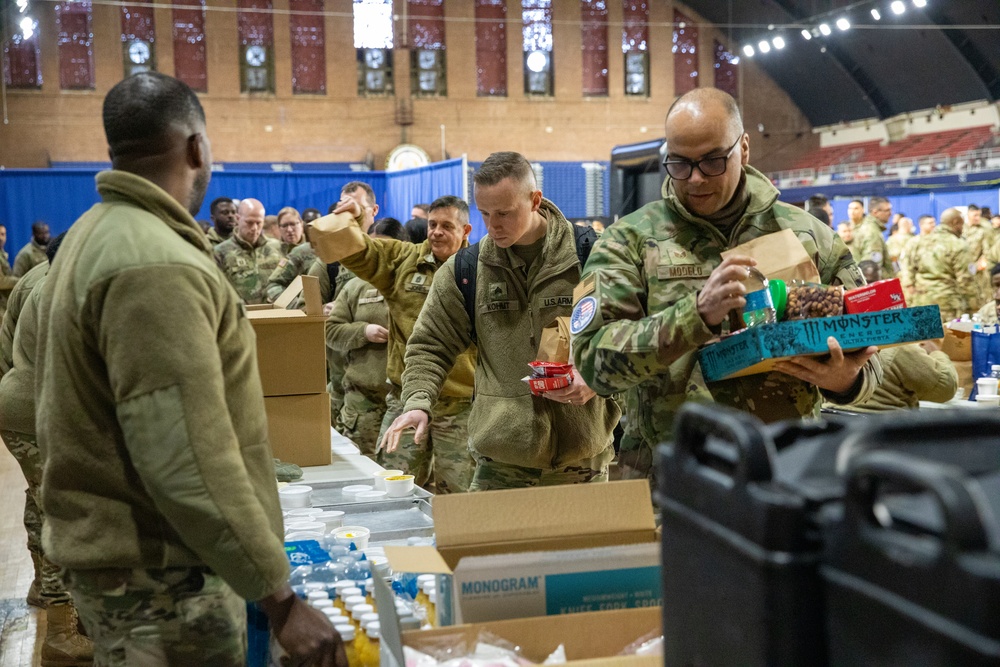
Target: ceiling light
[(806, 35), (897, 7), (779, 42), (919, 3), (843, 23), (876, 15), (748, 51), (763, 47), (825, 29)]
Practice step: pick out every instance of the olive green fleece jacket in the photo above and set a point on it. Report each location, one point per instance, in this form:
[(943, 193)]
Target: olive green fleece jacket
[(357, 305), (508, 424), (17, 386), (911, 375), (405, 274), (150, 408), (14, 305)]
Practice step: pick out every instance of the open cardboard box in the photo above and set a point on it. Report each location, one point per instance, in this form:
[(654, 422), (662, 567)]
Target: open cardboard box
[(291, 346), (298, 428), (593, 638), (757, 349), (534, 541)]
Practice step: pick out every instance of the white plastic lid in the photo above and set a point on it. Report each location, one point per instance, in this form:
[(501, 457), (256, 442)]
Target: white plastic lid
[(996, 367), (360, 610), (341, 585), (425, 579), (346, 632), (353, 601), (367, 618), (351, 591), (373, 629), (325, 603), (433, 596), (334, 613), (315, 586), (317, 595)]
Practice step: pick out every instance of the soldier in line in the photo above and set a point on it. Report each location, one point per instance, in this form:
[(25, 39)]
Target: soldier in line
[(526, 271), (404, 273), (941, 270), (223, 213), (7, 278), (845, 231), (900, 234), (990, 313), (980, 237), (158, 483), (358, 329), (309, 215), (247, 258), (927, 224), (33, 253), (270, 229), (868, 241), (290, 230), (294, 264), (656, 288)]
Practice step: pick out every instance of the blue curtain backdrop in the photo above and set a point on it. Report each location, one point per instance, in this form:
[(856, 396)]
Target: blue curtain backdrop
[(60, 196)]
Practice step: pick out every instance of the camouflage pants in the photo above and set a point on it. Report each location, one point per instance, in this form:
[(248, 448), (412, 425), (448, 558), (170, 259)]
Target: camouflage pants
[(360, 420), (636, 460), (492, 475), (24, 447), (445, 452), (175, 616), (335, 368)]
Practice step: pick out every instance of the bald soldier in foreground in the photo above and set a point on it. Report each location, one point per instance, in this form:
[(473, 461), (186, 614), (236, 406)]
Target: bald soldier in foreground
[(656, 288), (158, 485)]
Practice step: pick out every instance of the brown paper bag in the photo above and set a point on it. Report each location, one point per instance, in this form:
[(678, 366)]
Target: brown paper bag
[(780, 255), (554, 346), (957, 345), (334, 237), (965, 381)]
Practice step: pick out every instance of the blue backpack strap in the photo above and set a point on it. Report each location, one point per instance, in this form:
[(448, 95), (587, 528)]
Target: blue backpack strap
[(466, 268)]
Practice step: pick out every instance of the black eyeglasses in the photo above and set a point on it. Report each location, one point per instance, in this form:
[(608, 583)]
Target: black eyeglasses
[(680, 169)]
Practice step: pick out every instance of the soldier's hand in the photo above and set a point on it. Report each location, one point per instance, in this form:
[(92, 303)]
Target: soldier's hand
[(577, 393), (415, 419), (931, 345), (376, 333), (305, 633), (836, 373), (724, 290), (327, 309), (348, 205)]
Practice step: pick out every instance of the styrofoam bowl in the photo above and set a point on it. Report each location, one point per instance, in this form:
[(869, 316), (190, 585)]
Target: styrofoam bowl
[(369, 496), (305, 513), (332, 520), (347, 535), (351, 491), (303, 535), (988, 400), (399, 486), (310, 526), (295, 496), (379, 478)]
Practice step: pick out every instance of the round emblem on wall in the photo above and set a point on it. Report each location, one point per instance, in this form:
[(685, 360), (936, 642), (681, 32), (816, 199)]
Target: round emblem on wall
[(406, 156)]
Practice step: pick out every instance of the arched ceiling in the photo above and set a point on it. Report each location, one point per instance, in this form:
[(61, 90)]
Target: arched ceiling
[(945, 53)]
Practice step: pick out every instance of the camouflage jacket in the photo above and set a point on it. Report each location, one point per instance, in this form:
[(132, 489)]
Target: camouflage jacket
[(869, 244), (979, 237), (30, 255), (215, 238), (294, 264), (357, 305), (246, 267), (286, 248), (896, 245), (644, 275), (942, 272), (911, 375)]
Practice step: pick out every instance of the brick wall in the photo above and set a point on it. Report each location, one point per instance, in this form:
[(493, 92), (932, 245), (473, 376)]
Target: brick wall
[(52, 125)]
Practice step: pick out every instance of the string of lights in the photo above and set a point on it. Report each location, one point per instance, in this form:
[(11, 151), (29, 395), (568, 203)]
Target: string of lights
[(819, 26)]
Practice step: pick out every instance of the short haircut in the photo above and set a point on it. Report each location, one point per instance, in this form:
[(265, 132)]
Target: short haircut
[(702, 96), (39, 226), (451, 201), (354, 185), (817, 201), (875, 202), (856, 201), (972, 207), (217, 202), (53, 247), (925, 216), (416, 228), (505, 164), (846, 224), (894, 227), (140, 111), (314, 211), (422, 207), (820, 215), (389, 227), (868, 266), (285, 211)]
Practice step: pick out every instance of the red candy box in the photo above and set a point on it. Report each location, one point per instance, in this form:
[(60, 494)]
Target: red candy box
[(882, 295)]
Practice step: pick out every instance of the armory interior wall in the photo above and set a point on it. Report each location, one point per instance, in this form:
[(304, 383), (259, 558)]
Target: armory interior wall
[(51, 125)]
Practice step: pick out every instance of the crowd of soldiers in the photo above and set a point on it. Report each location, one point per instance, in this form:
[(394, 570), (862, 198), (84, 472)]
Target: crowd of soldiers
[(951, 263)]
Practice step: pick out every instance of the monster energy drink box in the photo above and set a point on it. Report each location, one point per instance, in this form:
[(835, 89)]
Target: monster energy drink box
[(757, 349)]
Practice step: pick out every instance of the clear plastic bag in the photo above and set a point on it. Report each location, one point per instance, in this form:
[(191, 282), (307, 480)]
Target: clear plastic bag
[(808, 300), (649, 644)]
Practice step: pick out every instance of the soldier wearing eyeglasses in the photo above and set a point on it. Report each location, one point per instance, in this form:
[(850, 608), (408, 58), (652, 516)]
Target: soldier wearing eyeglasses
[(656, 288)]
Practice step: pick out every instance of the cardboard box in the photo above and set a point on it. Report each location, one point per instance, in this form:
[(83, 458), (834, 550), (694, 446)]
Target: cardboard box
[(299, 428), (957, 343), (291, 344), (563, 519), (335, 237), (757, 349), (595, 638), (881, 295)]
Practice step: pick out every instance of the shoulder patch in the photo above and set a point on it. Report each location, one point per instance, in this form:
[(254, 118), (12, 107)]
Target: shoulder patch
[(583, 314), (587, 286), (283, 262)]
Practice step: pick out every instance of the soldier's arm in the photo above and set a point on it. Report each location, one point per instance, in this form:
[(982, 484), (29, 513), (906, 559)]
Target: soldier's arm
[(175, 419), (378, 262), (441, 333), (622, 343), (343, 333), (281, 278)]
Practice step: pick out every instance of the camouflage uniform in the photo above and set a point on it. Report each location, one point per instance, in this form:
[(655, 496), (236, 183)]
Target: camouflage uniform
[(988, 313), (7, 282), (905, 262), (644, 276), (357, 305), (941, 273), (980, 239), (285, 249), (29, 256), (215, 238), (335, 361), (294, 264), (492, 475), (246, 267), (896, 244), (869, 244), (173, 616)]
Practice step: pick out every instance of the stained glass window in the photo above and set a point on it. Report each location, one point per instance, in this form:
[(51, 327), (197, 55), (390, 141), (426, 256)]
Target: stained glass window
[(427, 60), (594, 35), (726, 70), (138, 38), (685, 49), (635, 46), (21, 62), (491, 47), (189, 44), (308, 30), (536, 18), (255, 26), (75, 39), (373, 42)]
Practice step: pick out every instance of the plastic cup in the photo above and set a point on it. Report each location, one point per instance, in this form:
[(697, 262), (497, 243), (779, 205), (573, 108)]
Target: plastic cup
[(380, 476), (332, 520), (987, 386), (399, 486), (295, 497), (988, 400), (348, 535)]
